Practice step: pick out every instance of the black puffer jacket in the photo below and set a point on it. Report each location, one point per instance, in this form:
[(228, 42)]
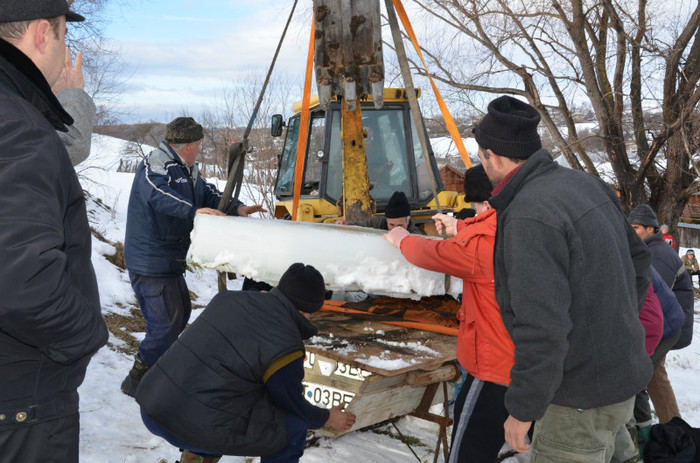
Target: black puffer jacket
[(666, 261), (50, 318), (208, 388)]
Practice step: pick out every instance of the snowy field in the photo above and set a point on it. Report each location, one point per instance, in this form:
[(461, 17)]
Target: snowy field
[(111, 428)]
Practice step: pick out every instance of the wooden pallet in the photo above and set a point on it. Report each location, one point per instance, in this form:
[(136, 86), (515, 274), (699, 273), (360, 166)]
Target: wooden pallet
[(389, 369)]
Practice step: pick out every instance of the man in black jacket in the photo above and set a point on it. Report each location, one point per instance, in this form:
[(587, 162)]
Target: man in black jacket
[(569, 300), (50, 311), (232, 382)]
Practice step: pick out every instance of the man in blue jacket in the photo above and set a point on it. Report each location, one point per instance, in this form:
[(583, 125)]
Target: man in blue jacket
[(51, 321), (569, 300), (166, 194)]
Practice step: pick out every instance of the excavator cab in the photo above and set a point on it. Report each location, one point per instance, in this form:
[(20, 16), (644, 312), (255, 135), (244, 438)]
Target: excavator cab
[(395, 161)]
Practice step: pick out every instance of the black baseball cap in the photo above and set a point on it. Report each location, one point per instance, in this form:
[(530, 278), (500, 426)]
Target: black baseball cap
[(27, 10)]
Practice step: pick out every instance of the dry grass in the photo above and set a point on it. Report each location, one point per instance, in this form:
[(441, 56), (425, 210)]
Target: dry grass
[(121, 325)]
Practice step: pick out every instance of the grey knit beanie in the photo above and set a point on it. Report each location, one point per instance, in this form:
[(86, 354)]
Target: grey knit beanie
[(304, 287), (183, 130), (643, 215), (509, 128)]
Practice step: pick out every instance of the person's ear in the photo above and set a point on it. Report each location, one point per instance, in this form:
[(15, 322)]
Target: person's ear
[(41, 35)]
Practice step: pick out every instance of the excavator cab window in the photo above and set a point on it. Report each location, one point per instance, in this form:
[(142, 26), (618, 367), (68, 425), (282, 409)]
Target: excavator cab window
[(391, 166), (313, 162)]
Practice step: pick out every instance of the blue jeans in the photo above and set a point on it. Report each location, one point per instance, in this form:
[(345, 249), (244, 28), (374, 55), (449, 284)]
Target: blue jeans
[(166, 307), (296, 430)]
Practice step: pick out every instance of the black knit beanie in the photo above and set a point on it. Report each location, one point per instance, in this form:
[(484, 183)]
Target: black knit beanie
[(477, 186), (509, 128), (183, 130), (643, 215), (397, 206), (304, 287)]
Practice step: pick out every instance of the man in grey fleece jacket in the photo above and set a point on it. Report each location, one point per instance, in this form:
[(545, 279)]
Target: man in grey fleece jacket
[(69, 89), (569, 300)]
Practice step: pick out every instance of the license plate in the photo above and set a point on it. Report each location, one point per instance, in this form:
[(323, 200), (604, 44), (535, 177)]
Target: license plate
[(326, 397)]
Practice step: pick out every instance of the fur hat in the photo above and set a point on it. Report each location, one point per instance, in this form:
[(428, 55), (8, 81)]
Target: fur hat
[(397, 206), (304, 287), (27, 10), (477, 186), (183, 130), (643, 215), (509, 128)]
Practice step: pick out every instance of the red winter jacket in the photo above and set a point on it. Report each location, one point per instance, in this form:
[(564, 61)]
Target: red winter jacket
[(484, 347), (652, 318)]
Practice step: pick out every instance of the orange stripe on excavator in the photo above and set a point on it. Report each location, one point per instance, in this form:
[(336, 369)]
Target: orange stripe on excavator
[(303, 125), (449, 121)]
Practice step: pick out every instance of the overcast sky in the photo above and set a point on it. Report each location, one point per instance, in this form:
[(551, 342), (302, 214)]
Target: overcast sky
[(181, 54)]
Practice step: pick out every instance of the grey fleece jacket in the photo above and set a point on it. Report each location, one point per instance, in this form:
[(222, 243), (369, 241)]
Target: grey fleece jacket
[(78, 138), (571, 276)]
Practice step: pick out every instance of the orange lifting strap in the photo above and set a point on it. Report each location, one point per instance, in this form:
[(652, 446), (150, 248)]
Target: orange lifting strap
[(449, 121), (303, 125)]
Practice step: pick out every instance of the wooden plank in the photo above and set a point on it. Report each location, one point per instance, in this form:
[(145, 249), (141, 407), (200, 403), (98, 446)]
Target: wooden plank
[(377, 347)]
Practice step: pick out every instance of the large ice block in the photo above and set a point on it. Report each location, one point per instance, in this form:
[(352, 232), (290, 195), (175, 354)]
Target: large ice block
[(349, 257)]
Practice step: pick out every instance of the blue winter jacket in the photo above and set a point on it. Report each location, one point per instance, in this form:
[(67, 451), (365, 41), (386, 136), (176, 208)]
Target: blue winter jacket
[(666, 261), (674, 318), (165, 195)]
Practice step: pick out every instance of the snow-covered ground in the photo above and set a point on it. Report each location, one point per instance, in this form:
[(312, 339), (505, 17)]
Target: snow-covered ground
[(111, 428)]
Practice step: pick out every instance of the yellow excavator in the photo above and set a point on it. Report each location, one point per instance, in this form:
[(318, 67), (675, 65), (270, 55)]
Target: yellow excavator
[(392, 153), (359, 142)]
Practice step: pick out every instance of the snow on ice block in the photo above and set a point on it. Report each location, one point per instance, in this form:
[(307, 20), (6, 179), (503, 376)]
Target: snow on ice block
[(349, 257)]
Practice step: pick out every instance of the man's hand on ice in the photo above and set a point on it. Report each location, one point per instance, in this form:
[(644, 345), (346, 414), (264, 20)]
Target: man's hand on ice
[(208, 210), (395, 236)]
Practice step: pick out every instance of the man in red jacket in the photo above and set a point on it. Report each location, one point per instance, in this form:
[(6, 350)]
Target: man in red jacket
[(484, 348)]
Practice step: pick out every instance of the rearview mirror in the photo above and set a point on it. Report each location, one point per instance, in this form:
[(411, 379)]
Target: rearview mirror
[(277, 125)]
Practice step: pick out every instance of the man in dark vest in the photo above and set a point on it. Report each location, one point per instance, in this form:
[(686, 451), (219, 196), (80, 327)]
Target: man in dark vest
[(232, 382)]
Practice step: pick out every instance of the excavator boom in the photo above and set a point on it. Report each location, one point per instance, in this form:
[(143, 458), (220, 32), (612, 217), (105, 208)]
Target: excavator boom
[(348, 51)]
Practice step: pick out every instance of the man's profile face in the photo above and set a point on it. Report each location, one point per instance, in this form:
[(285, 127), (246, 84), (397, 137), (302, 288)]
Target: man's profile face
[(642, 231), (397, 222), (491, 173)]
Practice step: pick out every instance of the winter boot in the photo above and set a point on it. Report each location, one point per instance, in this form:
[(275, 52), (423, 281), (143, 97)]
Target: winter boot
[(643, 438), (132, 380), (189, 457)]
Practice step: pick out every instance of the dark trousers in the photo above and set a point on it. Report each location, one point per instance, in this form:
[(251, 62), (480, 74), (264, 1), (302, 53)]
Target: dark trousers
[(55, 441), (166, 307), (296, 431), (479, 415)]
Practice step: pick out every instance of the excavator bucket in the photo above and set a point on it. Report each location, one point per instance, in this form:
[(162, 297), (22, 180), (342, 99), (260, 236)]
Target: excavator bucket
[(348, 51)]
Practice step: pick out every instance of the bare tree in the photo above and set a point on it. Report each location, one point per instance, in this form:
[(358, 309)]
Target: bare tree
[(103, 67), (628, 60), (225, 124)]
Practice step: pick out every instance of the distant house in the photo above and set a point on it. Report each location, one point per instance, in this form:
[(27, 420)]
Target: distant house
[(452, 178)]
